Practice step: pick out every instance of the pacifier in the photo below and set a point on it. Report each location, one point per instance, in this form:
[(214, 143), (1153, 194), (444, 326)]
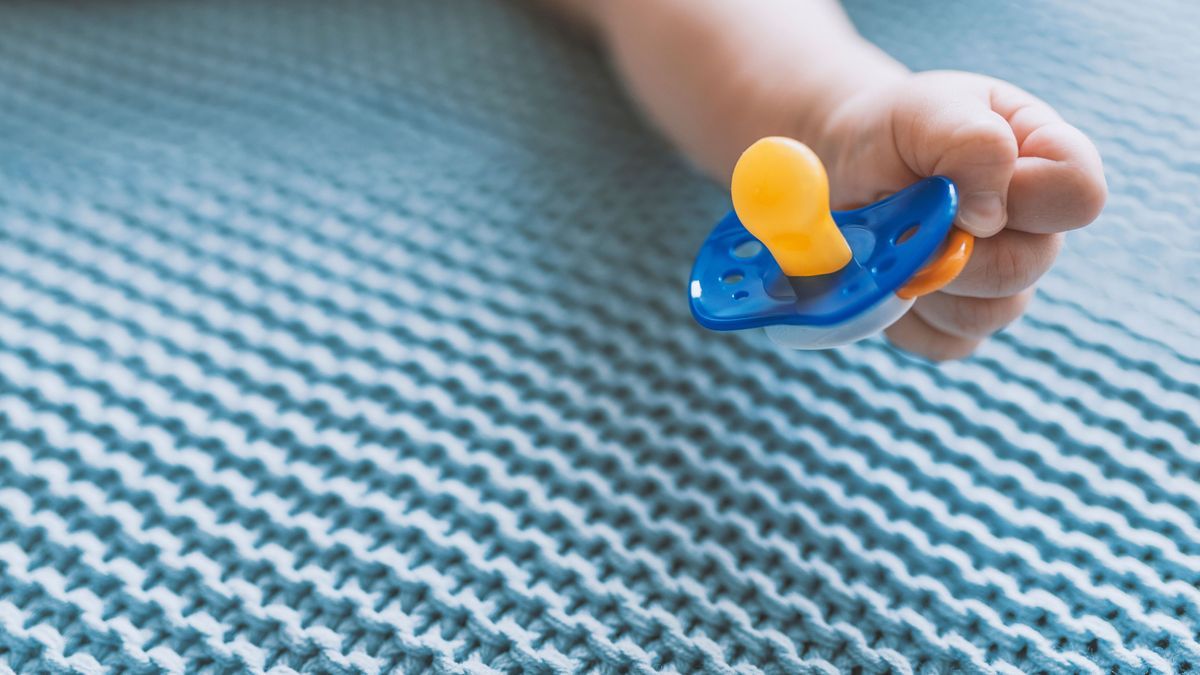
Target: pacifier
[(815, 278)]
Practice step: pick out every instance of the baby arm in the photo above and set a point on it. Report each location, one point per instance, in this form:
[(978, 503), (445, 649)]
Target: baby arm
[(715, 76)]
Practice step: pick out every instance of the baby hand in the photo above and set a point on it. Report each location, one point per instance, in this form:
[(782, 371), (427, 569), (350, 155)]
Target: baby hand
[(1024, 178)]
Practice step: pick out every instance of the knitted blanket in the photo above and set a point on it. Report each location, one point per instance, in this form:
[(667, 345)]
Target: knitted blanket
[(353, 337)]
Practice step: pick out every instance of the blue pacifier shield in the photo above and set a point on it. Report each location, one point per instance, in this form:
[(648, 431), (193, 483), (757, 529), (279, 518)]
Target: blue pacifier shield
[(736, 284)]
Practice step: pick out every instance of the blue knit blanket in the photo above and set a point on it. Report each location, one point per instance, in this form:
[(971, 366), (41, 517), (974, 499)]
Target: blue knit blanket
[(352, 337)]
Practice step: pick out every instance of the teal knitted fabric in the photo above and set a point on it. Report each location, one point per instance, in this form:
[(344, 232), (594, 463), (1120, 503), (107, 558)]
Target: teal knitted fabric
[(353, 337)]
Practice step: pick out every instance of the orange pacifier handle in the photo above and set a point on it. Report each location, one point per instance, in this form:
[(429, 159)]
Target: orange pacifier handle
[(947, 265)]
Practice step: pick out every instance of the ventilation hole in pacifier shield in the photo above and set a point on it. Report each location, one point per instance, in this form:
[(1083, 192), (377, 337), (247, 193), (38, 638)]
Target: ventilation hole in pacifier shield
[(747, 249), (732, 276), (741, 295), (906, 234)]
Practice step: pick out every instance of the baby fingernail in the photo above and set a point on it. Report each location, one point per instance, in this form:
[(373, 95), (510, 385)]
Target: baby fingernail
[(982, 213)]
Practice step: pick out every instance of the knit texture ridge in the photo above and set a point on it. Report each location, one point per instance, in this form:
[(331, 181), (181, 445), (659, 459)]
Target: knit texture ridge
[(353, 337)]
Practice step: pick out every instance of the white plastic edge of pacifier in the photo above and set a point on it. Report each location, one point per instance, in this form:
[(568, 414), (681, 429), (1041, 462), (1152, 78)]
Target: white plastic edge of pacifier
[(879, 317)]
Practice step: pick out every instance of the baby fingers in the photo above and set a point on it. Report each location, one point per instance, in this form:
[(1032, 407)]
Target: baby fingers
[(913, 334), (971, 318), (1006, 264), (941, 327), (1058, 183)]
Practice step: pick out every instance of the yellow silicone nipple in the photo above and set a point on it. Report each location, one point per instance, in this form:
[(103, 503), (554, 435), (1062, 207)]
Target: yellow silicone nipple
[(781, 195)]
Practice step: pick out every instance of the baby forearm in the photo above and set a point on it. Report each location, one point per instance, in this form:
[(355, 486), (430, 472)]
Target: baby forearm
[(715, 75)]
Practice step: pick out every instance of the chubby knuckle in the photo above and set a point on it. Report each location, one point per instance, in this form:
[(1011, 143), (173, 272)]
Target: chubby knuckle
[(991, 316), (1015, 263), (988, 140), (1038, 256), (963, 317), (974, 316), (1005, 269)]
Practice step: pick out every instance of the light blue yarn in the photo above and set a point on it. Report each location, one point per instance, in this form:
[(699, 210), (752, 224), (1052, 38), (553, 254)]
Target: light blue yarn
[(350, 339)]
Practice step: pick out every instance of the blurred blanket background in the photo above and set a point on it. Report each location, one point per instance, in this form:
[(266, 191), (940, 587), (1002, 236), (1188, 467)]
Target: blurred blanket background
[(353, 338)]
